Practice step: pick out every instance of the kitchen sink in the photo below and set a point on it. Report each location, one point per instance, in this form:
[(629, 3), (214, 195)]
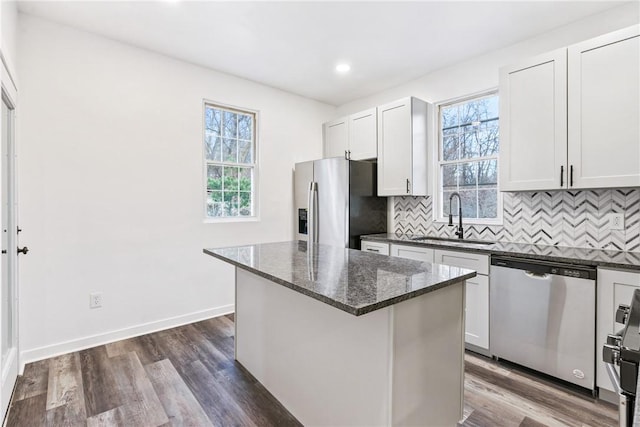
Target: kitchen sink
[(452, 240)]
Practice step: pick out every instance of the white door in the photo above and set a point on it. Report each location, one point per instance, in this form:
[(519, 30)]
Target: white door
[(604, 110), (8, 265), (363, 135), (533, 123), (394, 148), (336, 138)]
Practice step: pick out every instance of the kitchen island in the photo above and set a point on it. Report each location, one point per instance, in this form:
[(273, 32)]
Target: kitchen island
[(344, 337)]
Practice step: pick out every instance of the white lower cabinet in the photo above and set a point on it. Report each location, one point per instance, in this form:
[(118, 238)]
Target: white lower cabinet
[(412, 252), (476, 289), (615, 287), (476, 294), (477, 312), (375, 247)]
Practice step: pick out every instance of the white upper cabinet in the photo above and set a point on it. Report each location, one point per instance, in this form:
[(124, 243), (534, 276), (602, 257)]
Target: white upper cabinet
[(533, 122), (402, 148), (354, 137), (363, 135), (336, 138), (604, 110), (571, 118)]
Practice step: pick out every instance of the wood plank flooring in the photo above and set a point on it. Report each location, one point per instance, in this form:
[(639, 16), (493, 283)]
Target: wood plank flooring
[(186, 376), (500, 395)]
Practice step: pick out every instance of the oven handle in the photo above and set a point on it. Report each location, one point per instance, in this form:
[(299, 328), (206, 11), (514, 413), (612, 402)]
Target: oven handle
[(622, 399), (613, 376)]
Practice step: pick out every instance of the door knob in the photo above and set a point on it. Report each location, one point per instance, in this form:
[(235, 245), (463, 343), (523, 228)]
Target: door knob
[(23, 250)]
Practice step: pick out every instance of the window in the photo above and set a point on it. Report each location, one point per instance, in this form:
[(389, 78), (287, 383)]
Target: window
[(230, 162), (468, 159)]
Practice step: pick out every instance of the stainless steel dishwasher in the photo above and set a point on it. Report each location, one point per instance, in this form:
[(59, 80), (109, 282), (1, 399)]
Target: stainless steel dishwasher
[(542, 316)]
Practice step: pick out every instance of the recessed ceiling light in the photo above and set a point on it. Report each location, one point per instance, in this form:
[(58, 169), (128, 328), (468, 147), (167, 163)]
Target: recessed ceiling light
[(343, 68)]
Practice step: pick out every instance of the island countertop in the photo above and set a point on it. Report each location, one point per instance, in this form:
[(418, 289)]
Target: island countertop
[(351, 280)]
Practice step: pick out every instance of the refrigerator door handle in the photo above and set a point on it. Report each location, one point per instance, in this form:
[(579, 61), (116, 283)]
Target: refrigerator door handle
[(311, 209)]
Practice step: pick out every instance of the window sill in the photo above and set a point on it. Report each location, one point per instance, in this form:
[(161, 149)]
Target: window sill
[(230, 219)]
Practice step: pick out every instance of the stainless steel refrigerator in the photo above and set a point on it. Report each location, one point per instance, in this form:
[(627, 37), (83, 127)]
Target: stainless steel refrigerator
[(336, 202)]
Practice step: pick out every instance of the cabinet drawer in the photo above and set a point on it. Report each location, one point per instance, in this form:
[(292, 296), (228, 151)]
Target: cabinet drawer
[(477, 262), (375, 247), (412, 252)]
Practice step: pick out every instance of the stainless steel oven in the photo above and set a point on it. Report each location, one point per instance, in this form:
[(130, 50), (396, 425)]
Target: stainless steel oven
[(621, 355), (542, 317)]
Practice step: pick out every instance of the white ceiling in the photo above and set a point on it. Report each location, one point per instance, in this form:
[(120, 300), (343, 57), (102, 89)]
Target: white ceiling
[(295, 46)]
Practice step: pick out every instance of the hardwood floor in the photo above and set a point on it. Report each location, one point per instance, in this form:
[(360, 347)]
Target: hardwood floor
[(498, 395), (186, 376)]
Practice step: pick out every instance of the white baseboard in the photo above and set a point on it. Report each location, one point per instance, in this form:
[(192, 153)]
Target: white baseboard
[(46, 352)]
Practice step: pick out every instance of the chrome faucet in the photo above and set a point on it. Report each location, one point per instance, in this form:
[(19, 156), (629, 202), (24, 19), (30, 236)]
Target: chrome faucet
[(459, 232)]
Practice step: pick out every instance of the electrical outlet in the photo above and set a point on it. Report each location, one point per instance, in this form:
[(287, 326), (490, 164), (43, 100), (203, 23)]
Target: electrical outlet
[(95, 300), (402, 217), (616, 221)]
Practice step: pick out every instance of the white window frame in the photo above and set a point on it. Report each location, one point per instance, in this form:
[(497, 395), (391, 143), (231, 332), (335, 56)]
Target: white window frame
[(438, 203), (256, 164)]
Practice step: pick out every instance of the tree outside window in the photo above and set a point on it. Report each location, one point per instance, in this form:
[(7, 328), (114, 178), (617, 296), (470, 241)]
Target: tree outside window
[(468, 163), (229, 143)]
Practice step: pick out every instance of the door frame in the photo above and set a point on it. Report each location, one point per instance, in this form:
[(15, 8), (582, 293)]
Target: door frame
[(10, 93)]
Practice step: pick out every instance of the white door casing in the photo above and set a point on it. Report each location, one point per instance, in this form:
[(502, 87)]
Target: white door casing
[(9, 342)]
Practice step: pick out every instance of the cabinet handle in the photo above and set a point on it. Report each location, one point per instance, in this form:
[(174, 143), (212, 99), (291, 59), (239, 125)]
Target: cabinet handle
[(349, 151), (373, 250), (571, 177), (345, 155), (561, 176), (407, 185)]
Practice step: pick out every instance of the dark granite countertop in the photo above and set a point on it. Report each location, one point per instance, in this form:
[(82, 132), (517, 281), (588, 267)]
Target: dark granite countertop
[(583, 256), (353, 281)]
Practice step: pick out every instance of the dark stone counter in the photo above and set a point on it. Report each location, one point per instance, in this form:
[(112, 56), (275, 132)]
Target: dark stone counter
[(583, 256), (351, 280)]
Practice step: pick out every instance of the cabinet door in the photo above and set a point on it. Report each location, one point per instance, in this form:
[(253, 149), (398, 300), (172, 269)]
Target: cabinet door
[(604, 113), (412, 252), (533, 123), (375, 247), (363, 135), (614, 288), (394, 148), (476, 321), (336, 137)]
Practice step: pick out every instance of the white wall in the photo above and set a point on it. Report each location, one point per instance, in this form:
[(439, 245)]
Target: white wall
[(8, 23), (481, 73), (110, 185)]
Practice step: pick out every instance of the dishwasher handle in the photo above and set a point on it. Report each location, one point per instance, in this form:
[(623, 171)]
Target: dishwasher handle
[(536, 276)]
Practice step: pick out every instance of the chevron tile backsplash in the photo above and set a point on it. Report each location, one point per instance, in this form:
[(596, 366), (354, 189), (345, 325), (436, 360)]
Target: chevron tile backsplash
[(562, 218)]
